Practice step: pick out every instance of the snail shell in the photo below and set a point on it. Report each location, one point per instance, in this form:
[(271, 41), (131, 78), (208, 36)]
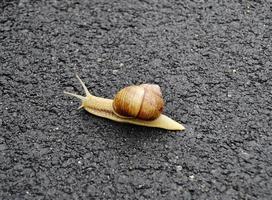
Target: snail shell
[(139, 101)]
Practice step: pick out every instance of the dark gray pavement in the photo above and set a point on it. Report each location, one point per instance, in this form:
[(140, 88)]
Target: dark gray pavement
[(213, 61)]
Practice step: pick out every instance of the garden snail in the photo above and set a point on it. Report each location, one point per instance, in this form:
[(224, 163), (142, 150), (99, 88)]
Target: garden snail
[(138, 104)]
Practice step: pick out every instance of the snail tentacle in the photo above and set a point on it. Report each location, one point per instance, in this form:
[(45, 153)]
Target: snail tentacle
[(82, 98), (87, 93)]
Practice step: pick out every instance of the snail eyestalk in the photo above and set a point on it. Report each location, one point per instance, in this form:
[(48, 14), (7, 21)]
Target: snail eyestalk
[(87, 93), (82, 98)]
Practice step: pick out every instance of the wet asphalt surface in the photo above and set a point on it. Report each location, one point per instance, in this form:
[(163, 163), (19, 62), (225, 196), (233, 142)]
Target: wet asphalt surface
[(212, 60)]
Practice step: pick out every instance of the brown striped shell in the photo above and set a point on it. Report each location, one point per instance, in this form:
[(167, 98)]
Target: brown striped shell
[(139, 101)]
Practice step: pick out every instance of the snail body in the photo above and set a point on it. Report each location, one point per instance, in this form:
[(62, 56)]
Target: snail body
[(140, 105)]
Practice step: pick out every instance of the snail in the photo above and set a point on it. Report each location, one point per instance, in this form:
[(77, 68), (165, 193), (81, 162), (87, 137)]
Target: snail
[(137, 104)]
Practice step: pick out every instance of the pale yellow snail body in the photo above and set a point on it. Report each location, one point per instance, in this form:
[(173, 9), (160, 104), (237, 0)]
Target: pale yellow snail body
[(140, 105)]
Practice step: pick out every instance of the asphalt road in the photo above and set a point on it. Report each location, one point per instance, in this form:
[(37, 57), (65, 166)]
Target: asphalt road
[(213, 61)]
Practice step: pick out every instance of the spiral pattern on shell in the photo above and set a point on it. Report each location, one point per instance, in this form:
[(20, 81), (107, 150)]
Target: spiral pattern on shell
[(139, 101)]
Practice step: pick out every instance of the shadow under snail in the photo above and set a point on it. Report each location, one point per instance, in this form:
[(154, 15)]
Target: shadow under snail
[(137, 104)]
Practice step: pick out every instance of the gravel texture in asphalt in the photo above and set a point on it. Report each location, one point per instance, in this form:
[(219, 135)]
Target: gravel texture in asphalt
[(213, 61)]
